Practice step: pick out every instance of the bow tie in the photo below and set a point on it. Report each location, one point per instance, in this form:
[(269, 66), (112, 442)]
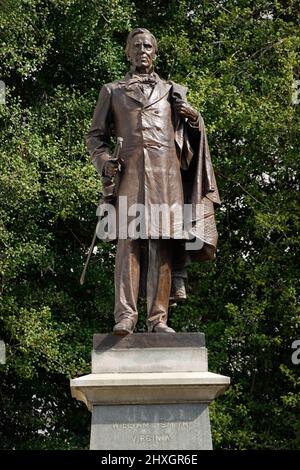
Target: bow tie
[(145, 80)]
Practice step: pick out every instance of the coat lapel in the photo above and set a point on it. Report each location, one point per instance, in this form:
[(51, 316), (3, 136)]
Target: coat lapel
[(134, 92), (160, 90)]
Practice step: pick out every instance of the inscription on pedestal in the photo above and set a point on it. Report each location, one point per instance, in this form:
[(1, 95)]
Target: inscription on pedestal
[(174, 426), (145, 425)]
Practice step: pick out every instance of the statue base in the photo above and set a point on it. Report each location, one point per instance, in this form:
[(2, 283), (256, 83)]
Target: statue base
[(149, 391)]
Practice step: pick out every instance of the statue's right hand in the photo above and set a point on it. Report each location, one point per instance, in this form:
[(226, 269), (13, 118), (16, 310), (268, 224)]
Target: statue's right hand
[(111, 168)]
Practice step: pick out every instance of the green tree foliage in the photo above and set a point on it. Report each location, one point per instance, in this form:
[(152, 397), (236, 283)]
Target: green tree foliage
[(239, 60)]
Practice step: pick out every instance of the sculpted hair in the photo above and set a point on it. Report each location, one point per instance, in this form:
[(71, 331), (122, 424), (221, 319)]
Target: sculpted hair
[(136, 31)]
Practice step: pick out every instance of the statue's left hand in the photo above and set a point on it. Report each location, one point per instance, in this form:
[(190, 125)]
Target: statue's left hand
[(185, 110)]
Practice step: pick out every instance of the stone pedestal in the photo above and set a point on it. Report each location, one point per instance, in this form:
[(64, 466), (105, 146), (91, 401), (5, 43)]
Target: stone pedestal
[(149, 391)]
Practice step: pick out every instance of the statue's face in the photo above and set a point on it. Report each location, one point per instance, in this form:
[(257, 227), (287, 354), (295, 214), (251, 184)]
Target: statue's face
[(142, 52)]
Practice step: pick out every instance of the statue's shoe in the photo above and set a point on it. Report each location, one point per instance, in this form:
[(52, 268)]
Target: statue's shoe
[(162, 328), (124, 327)]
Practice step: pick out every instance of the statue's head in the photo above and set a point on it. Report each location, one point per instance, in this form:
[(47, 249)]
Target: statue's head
[(141, 49)]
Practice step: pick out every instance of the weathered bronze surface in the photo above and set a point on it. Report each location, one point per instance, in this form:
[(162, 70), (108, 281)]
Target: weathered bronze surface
[(166, 161)]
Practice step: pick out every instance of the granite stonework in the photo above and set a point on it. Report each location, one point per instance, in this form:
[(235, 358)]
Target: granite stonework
[(149, 391), (169, 427)]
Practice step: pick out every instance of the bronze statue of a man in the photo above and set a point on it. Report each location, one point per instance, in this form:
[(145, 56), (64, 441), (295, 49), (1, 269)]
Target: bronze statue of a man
[(166, 163)]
